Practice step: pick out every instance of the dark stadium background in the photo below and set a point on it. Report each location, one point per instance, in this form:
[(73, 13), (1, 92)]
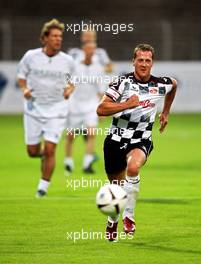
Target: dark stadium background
[(173, 27)]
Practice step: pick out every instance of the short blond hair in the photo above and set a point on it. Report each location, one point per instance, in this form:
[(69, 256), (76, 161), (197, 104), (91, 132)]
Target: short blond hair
[(52, 24), (87, 30)]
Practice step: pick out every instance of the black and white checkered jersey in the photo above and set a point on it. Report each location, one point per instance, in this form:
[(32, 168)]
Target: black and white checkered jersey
[(133, 125)]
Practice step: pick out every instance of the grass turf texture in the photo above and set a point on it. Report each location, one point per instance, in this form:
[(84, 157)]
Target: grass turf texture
[(168, 213)]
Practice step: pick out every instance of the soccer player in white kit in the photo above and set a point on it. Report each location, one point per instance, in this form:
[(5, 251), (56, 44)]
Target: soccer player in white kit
[(100, 55), (133, 101), (43, 76), (83, 104)]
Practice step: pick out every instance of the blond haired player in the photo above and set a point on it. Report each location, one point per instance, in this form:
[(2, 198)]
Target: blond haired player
[(43, 76), (83, 104), (100, 55)]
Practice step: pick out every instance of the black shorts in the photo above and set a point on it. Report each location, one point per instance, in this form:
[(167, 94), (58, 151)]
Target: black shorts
[(115, 153)]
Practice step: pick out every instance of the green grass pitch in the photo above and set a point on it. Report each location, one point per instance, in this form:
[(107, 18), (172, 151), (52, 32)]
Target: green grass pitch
[(168, 213)]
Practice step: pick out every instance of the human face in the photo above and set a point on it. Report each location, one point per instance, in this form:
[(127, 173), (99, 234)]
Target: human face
[(89, 49), (54, 40), (143, 64), (88, 36)]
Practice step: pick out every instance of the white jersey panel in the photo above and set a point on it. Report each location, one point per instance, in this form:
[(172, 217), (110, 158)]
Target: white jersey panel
[(100, 56), (136, 124), (89, 83), (46, 78)]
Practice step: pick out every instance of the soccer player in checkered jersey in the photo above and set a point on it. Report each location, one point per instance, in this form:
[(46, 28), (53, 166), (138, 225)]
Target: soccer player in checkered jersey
[(43, 76), (133, 100)]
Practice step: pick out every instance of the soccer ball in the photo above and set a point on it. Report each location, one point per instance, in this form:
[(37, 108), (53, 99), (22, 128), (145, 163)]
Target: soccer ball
[(111, 199)]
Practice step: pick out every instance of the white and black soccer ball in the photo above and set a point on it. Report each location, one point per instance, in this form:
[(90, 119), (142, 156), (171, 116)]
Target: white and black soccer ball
[(111, 199)]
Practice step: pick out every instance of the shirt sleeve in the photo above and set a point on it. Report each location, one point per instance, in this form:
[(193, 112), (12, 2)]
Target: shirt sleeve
[(104, 58), (168, 84), (23, 67), (115, 89), (71, 73), (74, 52)]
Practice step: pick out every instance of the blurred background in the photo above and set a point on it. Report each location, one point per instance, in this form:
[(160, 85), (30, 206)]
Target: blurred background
[(173, 27)]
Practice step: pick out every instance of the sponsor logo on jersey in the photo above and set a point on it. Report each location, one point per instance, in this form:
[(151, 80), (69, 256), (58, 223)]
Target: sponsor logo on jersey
[(147, 103), (124, 146), (134, 88), (153, 90)]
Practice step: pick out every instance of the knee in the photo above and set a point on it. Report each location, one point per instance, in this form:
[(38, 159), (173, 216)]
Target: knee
[(70, 137), (133, 169), (90, 136), (33, 152), (91, 132), (49, 152)]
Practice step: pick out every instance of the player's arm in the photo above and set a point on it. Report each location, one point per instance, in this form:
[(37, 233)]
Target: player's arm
[(109, 67), (167, 105), (108, 107), (106, 61), (23, 86), (22, 73), (68, 90)]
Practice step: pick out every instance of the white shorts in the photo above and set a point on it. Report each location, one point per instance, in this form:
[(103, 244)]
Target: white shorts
[(48, 129), (82, 121)]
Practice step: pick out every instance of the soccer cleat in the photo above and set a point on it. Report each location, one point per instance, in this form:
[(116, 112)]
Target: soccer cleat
[(68, 168), (89, 169), (111, 231), (40, 193), (129, 226)]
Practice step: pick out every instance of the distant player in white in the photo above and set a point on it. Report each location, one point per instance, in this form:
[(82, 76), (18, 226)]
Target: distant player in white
[(43, 76), (83, 104), (100, 55), (133, 101)]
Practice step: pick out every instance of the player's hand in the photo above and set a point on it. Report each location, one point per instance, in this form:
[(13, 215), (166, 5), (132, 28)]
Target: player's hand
[(66, 94), (27, 93), (68, 90), (163, 121), (133, 101)]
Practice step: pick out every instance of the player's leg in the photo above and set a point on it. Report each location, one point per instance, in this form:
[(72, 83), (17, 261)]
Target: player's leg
[(95, 155), (48, 167), (115, 167), (135, 160), (52, 131), (73, 129), (49, 160), (116, 178), (112, 224), (89, 153), (33, 133), (68, 161), (90, 121), (35, 151)]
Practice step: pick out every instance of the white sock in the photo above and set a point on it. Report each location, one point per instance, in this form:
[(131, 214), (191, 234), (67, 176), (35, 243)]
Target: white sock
[(88, 158), (132, 187), (114, 219), (43, 185), (69, 161)]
